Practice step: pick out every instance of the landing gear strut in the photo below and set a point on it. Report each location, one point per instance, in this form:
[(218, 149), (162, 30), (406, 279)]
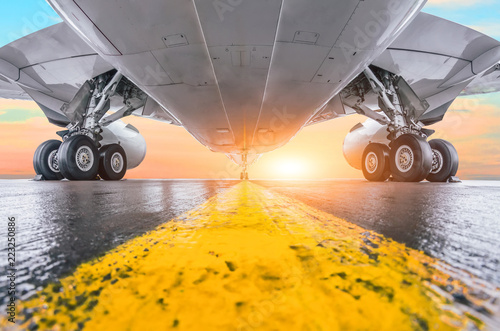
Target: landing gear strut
[(244, 175), (245, 165)]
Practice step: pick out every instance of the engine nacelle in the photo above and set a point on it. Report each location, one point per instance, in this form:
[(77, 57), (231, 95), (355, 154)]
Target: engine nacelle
[(129, 138), (360, 136)]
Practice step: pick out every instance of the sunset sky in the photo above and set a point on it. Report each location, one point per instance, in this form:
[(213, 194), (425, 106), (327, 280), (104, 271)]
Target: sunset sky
[(472, 124)]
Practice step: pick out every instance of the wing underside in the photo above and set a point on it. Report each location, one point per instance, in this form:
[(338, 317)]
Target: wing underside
[(50, 66), (439, 59)]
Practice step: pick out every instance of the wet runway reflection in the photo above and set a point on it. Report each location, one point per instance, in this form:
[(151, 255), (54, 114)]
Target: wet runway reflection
[(458, 223), (64, 224)]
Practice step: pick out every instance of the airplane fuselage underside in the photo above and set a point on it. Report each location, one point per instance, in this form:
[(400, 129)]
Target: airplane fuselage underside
[(243, 77)]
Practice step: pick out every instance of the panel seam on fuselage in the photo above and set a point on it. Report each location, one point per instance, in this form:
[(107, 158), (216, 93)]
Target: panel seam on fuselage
[(213, 71), (268, 74), (426, 52), (55, 60), (99, 29), (336, 41), (156, 59)]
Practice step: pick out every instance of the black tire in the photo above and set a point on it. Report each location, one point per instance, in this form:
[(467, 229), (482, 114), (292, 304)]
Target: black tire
[(410, 158), (445, 161), (375, 163), (112, 162), (36, 157), (79, 158), (44, 162)]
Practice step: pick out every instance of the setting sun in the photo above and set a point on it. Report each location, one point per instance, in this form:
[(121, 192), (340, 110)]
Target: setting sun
[(291, 168)]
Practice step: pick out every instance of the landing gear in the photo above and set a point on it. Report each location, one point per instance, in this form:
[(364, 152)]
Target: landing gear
[(112, 162), (444, 161), (410, 158), (78, 158), (45, 160), (245, 165), (376, 163)]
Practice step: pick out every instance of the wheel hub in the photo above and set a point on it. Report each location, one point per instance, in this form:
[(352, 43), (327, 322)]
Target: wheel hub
[(84, 158), (117, 162), (53, 161), (371, 162), (404, 158), (437, 161)]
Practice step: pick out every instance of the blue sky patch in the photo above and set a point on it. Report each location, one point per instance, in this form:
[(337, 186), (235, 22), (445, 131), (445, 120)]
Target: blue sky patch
[(23, 17), (19, 115), (481, 15)]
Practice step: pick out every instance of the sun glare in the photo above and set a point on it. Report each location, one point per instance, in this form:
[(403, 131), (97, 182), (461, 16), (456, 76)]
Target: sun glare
[(291, 168)]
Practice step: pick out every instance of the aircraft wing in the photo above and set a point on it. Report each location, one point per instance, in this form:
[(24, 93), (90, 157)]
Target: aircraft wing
[(12, 91), (49, 67), (440, 60), (489, 82)]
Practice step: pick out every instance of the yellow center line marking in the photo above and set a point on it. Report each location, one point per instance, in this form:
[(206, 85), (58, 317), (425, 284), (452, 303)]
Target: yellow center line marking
[(252, 259)]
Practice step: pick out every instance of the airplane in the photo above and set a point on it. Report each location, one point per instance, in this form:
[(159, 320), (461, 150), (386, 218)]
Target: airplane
[(244, 77)]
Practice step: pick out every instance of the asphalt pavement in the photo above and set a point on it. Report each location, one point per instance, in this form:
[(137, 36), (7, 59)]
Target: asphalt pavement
[(63, 224)]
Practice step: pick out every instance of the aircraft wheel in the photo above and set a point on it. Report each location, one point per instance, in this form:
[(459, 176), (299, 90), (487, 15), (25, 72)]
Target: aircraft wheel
[(444, 161), (410, 158), (45, 160), (112, 162), (79, 158), (375, 163)]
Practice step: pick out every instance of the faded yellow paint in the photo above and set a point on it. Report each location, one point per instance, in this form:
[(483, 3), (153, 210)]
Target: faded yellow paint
[(252, 259)]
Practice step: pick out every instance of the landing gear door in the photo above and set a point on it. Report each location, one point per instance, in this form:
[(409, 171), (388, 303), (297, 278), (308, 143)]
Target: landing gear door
[(75, 109), (414, 108)]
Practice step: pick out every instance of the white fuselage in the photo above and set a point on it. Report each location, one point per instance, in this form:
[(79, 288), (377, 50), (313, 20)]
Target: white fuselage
[(242, 76)]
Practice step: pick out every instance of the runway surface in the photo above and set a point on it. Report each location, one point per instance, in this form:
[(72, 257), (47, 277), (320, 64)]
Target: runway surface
[(251, 245), (459, 223), (62, 224)]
